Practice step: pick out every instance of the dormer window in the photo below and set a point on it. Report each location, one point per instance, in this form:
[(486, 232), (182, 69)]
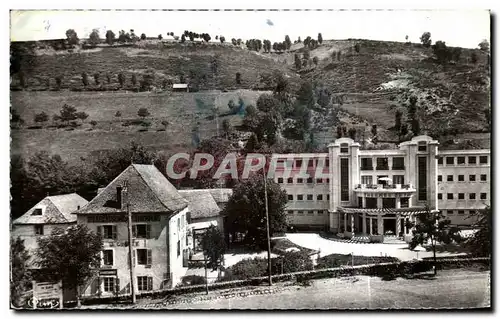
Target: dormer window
[(344, 148), (422, 146), (37, 212)]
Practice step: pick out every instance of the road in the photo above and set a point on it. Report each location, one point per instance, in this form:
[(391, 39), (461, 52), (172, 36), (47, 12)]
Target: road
[(451, 289)]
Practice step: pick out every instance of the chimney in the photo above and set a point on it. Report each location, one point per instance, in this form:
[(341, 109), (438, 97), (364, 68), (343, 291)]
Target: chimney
[(119, 197)]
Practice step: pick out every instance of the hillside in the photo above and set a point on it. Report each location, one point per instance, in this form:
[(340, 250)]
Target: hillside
[(371, 85)]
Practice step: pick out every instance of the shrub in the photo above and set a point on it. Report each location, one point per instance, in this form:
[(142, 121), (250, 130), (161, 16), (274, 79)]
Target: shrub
[(118, 114), (93, 123), (143, 112), (193, 280)]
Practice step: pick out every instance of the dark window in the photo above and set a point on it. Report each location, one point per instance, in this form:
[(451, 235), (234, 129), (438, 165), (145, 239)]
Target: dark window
[(450, 160), (472, 160), (320, 212), (440, 160), (327, 162), (143, 230), (178, 248), (107, 231), (460, 178), (319, 180), (319, 197), (300, 212), (309, 197), (39, 230), (422, 178), (450, 195), (422, 146), (483, 177), (370, 202), (449, 178), (398, 179), (108, 284), (472, 195), (310, 212), (299, 181), (366, 164), (310, 162), (280, 180), (461, 160), (309, 180), (107, 257), (290, 212), (327, 196), (144, 256), (461, 196), (344, 179), (398, 163), (290, 197), (328, 180), (289, 180), (440, 196), (472, 178), (440, 178), (298, 163), (405, 202), (360, 202), (37, 212), (144, 283), (483, 159), (460, 212), (388, 202), (483, 196), (449, 212), (382, 163), (344, 148), (300, 197)]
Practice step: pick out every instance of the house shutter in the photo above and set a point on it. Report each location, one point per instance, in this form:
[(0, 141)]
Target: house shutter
[(134, 231), (117, 285), (150, 283), (150, 257), (148, 231), (99, 230), (115, 232), (133, 257)]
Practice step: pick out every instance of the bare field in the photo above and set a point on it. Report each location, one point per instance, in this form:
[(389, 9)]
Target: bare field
[(182, 111)]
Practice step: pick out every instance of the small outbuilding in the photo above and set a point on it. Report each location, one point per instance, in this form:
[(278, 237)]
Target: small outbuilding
[(180, 87)]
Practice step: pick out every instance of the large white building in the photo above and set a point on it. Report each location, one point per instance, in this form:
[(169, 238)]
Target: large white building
[(373, 192)]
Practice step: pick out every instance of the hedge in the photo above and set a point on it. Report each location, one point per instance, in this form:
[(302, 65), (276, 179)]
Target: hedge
[(382, 269)]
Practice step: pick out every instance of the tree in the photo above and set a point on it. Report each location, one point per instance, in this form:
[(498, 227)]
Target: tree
[(121, 79), (480, 242), (110, 37), (397, 120), (70, 255), (247, 214), (143, 112), (233, 41), (415, 126), (473, 57), (81, 116), (374, 130), (357, 47), (433, 227), (67, 113), (226, 127), (143, 36), (222, 39), (306, 55), (160, 37), (288, 43), (214, 247), (118, 114), (85, 79), (231, 105), (20, 279), (456, 53), (487, 116), (183, 39), (134, 79), (108, 78), (339, 131), (484, 45), (94, 38), (58, 82), (305, 94), (315, 60), (298, 63), (426, 39), (442, 52), (238, 78), (96, 78), (41, 117), (352, 133), (320, 38), (267, 102), (72, 37)]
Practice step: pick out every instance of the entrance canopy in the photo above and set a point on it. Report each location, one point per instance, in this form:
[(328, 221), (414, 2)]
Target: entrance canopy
[(383, 211)]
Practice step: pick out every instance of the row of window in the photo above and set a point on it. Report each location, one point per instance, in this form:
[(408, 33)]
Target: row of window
[(472, 196), (461, 178), (110, 284), (282, 162), (458, 212), (307, 212), (309, 197), (309, 180), (368, 180), (471, 160), (398, 163)]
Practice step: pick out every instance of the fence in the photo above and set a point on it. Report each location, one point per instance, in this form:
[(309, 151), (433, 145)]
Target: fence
[(381, 269)]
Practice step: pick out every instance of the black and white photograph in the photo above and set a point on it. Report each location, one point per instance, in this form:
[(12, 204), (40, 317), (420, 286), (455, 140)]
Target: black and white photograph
[(250, 159)]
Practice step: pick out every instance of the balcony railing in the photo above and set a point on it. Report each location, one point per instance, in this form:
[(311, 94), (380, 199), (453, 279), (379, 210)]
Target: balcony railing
[(384, 187), (367, 168), (382, 167)]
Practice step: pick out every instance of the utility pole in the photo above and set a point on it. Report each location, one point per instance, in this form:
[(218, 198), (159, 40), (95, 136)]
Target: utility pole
[(267, 229), (206, 274), (130, 249)]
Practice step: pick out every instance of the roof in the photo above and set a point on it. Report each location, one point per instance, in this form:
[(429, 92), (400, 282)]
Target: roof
[(201, 203), (55, 210), (383, 211), (180, 86), (148, 191), (221, 195)]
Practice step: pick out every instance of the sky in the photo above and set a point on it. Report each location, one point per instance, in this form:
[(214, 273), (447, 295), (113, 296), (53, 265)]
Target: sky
[(465, 28)]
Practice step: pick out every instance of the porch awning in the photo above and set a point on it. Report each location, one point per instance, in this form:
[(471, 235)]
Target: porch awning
[(383, 211)]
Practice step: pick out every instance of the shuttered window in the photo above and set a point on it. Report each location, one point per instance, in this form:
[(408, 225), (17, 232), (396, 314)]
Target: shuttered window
[(144, 283), (344, 179), (141, 231), (108, 231)]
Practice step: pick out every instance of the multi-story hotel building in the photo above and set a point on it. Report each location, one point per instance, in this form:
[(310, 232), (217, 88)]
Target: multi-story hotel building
[(374, 192)]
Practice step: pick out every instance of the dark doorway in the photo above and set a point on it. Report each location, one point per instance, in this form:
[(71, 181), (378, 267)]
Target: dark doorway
[(390, 226)]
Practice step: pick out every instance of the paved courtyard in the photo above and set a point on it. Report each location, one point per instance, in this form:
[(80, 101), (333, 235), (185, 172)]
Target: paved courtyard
[(327, 247)]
